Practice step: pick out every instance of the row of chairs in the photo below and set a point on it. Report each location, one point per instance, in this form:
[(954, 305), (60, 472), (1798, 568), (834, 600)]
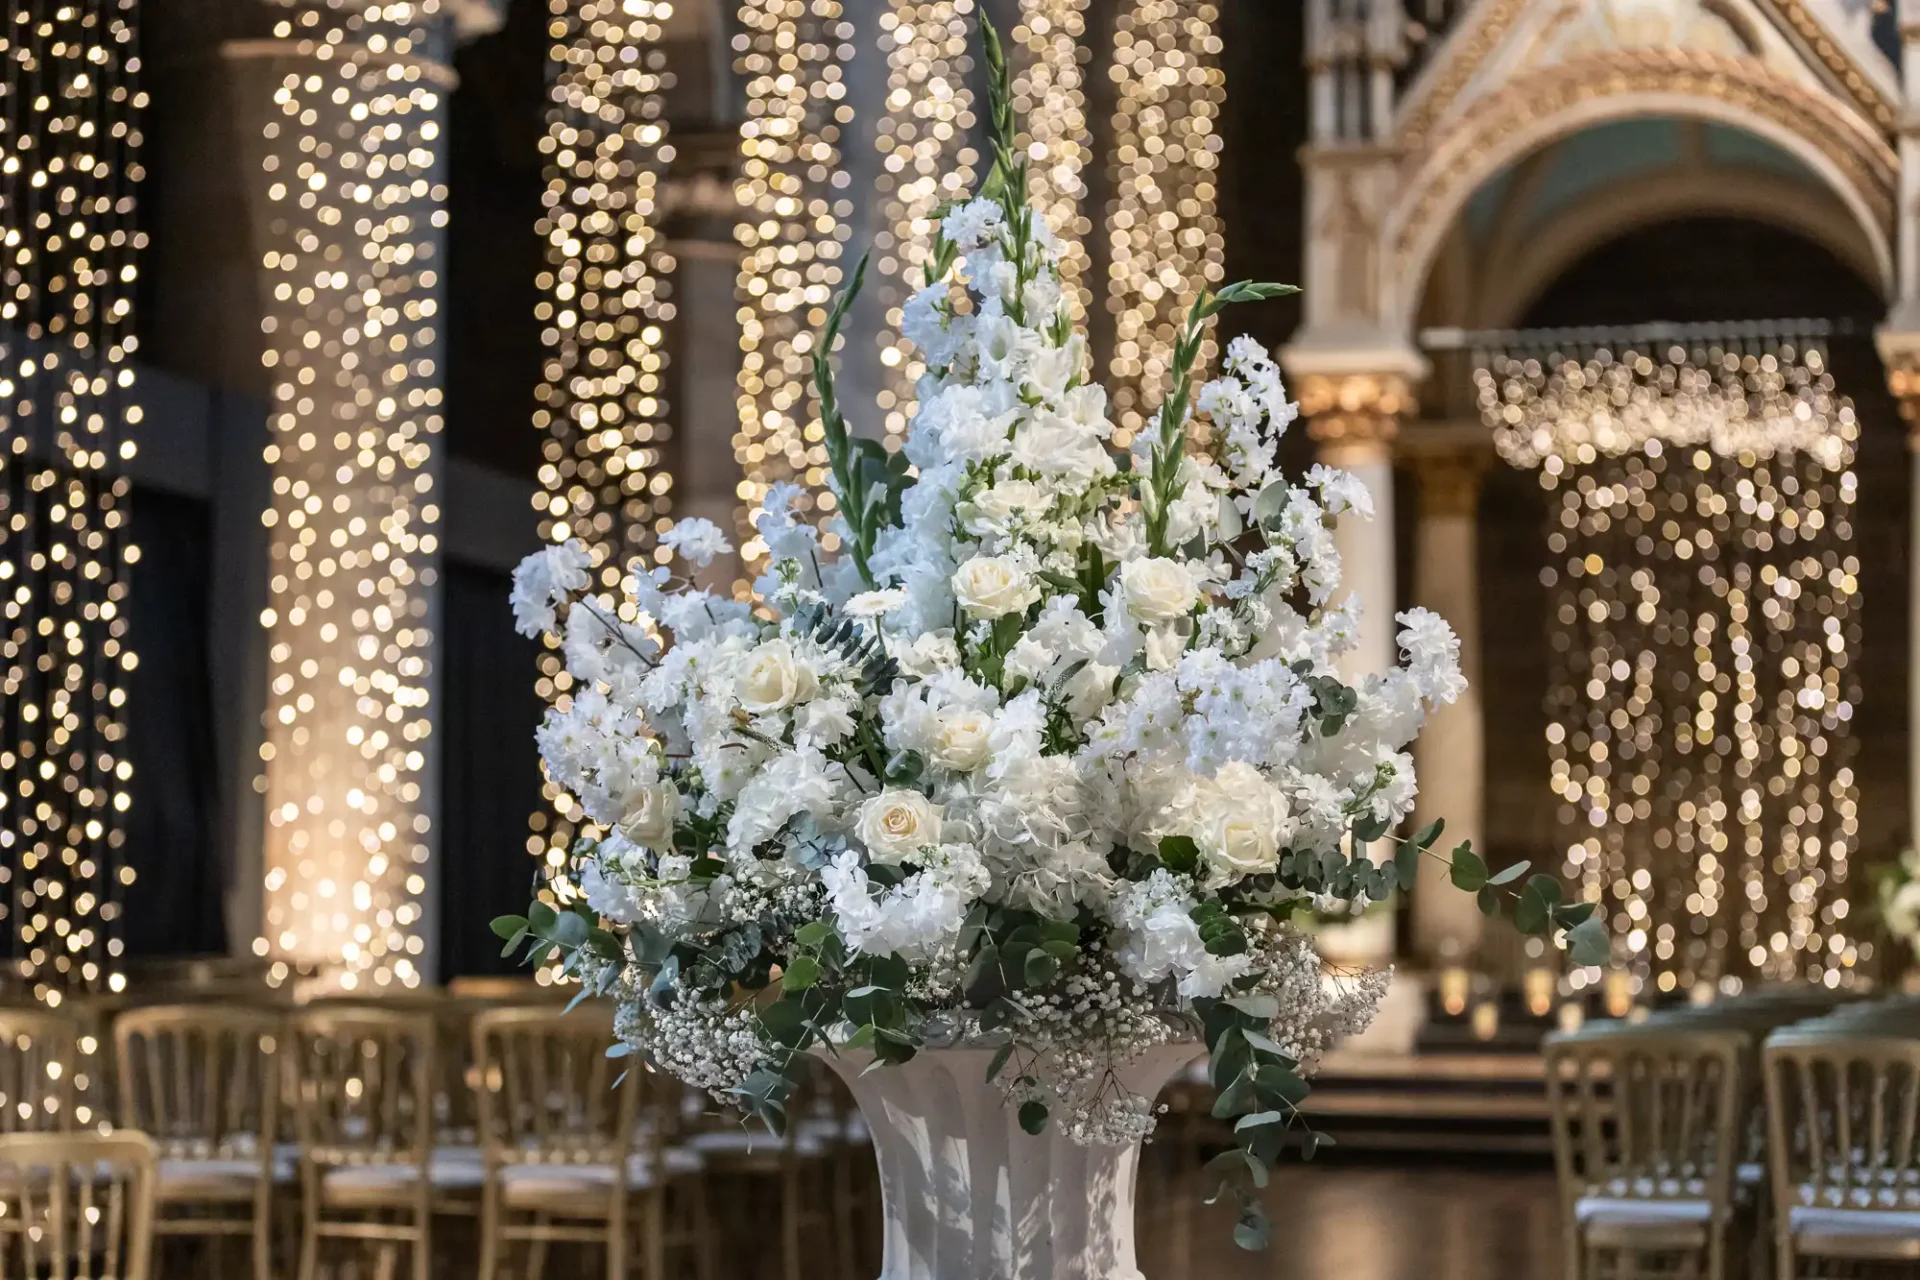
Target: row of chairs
[(1772, 1135), (378, 1120)]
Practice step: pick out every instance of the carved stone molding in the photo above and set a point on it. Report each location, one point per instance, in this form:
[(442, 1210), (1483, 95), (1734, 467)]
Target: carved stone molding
[(1441, 177), (1355, 408)]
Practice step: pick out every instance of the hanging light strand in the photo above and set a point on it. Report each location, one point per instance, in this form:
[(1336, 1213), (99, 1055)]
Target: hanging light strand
[(1704, 594), (1162, 226), (927, 160), (1050, 99), (355, 203), (69, 140), (604, 305), (792, 190)]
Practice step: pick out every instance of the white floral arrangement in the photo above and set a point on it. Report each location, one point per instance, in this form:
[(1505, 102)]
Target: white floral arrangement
[(1046, 756)]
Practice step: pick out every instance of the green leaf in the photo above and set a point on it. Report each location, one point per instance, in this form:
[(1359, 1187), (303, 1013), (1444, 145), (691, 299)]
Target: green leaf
[(1180, 853), (508, 926), (1406, 865), (1040, 968), (1425, 836), (802, 972), (1253, 1232), (570, 930), (1033, 1117), (540, 919), (1238, 1098), (1569, 914), (1507, 875), (813, 934), (1588, 944), (1548, 887), (1000, 1057), (1256, 1005), (1258, 1119), (1533, 913), (1490, 903), (1469, 872)]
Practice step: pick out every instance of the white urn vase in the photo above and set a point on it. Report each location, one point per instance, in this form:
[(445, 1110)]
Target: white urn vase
[(970, 1195)]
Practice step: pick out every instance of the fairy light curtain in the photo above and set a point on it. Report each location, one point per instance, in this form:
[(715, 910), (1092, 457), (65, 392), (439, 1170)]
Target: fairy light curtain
[(69, 139), (352, 221), (1164, 232), (927, 159), (605, 300), (795, 201), (1703, 623)]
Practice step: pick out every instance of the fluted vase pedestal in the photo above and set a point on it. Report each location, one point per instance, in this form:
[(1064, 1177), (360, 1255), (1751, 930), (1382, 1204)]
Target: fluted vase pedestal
[(969, 1195)]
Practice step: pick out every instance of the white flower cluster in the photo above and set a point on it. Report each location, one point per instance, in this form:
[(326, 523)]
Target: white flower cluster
[(1068, 687)]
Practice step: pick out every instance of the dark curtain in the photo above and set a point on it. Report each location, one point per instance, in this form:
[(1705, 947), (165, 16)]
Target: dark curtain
[(174, 907), (490, 770)]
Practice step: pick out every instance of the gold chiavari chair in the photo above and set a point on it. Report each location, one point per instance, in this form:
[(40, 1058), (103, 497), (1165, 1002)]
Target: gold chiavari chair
[(1842, 1144), (558, 1121), (363, 1086), (797, 1168), (1648, 1126), (77, 1206), (200, 1080), (39, 1050)]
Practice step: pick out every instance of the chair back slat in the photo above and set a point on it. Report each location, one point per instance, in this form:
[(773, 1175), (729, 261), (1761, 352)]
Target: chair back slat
[(1841, 1109), (200, 1079), (76, 1206), (1648, 1114), (548, 1092), (363, 1084)]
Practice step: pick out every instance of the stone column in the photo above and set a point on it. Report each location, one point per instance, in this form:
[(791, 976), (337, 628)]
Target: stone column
[(1354, 417), (343, 121), (1450, 753)]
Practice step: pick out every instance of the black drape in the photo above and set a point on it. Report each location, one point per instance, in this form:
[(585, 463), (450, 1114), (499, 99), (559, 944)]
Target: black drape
[(174, 906), (490, 770)]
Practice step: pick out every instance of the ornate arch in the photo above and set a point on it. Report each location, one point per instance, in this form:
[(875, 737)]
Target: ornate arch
[(1847, 153)]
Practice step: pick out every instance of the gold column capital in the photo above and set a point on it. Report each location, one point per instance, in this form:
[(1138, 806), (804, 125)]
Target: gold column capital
[(1356, 408), (1900, 352)]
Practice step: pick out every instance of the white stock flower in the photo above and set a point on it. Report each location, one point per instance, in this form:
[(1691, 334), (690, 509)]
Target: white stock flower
[(1158, 589), (696, 540), (896, 824), (973, 224), (994, 586), (544, 580), (774, 678)]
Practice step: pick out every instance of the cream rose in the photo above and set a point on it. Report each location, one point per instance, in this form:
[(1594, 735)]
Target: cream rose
[(993, 586), (896, 824), (650, 816), (960, 743), (775, 678), (1158, 589), (1240, 828)]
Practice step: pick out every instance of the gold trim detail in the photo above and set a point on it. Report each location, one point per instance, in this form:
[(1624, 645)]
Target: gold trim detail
[(1355, 408)]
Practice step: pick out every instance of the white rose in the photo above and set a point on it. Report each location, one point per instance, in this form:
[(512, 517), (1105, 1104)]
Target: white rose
[(775, 679), (960, 743), (1158, 589), (993, 586), (650, 816), (897, 824), (1240, 830)]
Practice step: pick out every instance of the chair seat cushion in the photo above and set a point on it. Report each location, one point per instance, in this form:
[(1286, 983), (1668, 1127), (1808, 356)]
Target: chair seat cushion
[(738, 1143), (1856, 1233), (361, 1185), (1610, 1220), (213, 1180), (580, 1190)]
